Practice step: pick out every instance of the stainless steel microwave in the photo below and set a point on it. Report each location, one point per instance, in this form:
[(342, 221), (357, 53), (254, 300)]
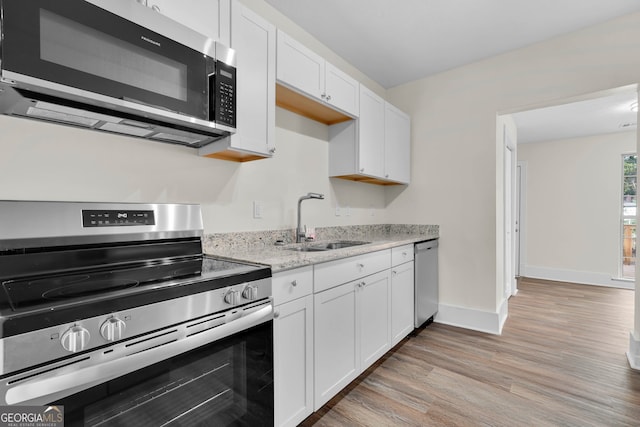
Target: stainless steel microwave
[(115, 66)]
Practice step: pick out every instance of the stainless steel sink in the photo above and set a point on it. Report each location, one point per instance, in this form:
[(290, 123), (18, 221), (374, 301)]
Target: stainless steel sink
[(319, 247)]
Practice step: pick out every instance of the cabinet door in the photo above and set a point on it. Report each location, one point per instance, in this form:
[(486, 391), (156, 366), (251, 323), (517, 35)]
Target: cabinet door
[(298, 67), (374, 316), (402, 288), (254, 40), (293, 361), (371, 134), (336, 349), (342, 91), (208, 17), (397, 140)]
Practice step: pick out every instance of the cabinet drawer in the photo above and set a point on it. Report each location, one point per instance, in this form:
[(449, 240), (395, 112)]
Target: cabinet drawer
[(333, 273), (401, 254), (292, 284)]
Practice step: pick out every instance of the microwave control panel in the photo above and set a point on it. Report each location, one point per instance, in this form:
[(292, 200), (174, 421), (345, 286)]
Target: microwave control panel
[(224, 99)]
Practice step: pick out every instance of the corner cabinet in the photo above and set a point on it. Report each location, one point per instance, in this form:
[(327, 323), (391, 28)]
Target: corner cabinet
[(375, 148), (208, 17), (311, 86), (254, 40)]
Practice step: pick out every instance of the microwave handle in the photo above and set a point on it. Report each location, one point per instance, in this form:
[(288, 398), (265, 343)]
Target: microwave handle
[(42, 389)]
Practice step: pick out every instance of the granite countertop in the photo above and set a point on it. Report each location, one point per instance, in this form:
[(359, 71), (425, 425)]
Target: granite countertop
[(260, 247)]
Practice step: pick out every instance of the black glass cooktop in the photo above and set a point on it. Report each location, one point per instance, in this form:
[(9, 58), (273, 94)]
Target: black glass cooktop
[(49, 289)]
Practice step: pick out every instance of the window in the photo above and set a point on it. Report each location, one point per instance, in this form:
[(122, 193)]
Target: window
[(629, 185)]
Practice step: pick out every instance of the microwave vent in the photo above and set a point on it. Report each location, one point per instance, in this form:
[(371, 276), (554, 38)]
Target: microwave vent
[(180, 139), (126, 129), (57, 116)]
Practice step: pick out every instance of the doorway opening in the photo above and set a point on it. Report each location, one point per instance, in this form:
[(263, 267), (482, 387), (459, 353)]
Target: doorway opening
[(557, 182)]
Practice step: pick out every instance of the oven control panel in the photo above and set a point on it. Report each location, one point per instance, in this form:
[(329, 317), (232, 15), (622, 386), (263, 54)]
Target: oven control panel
[(110, 218)]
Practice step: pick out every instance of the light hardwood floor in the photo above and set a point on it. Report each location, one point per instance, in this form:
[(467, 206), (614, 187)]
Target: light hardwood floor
[(560, 361)]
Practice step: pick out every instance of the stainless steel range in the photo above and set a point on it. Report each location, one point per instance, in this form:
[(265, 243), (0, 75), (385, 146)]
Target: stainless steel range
[(113, 311)]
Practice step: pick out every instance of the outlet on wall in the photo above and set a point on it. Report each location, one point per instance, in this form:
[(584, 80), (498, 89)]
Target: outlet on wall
[(257, 209)]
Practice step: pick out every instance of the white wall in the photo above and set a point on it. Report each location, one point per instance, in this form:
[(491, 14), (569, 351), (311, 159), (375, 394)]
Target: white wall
[(455, 153), (41, 161), (573, 207)]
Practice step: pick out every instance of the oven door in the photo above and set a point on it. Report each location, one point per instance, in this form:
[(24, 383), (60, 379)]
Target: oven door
[(227, 382), (76, 44), (215, 369)]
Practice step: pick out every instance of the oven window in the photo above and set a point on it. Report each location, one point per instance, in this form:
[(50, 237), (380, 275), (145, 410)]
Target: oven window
[(70, 44), (229, 382)]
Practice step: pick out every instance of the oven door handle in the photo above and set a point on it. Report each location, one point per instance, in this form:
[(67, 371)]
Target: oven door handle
[(47, 387)]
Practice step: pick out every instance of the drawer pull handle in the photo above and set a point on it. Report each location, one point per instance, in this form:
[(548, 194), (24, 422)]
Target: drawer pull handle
[(276, 314), (360, 265), (404, 254), (294, 283)]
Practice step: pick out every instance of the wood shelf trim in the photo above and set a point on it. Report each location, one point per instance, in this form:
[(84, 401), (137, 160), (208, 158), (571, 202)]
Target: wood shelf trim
[(366, 179), (234, 156), (300, 104)]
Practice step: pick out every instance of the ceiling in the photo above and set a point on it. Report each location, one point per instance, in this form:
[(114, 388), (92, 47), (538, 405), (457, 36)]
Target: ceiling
[(578, 119), (398, 41)]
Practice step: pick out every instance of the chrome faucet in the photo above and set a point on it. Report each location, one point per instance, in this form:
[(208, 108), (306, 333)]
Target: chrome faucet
[(300, 234)]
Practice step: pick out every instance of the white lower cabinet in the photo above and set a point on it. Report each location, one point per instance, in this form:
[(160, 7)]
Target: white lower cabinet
[(402, 289), (332, 321), (402, 292), (374, 315), (351, 331), (335, 344), (293, 346), (293, 356)]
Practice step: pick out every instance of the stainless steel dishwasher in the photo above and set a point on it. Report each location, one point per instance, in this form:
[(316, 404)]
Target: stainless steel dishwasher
[(426, 282)]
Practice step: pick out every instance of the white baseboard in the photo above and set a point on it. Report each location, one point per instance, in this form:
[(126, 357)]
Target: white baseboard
[(469, 318), (574, 276), (633, 355)]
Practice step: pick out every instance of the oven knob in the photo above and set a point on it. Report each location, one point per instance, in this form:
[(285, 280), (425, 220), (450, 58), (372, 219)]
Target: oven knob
[(112, 329), (75, 339), (232, 297), (250, 293)]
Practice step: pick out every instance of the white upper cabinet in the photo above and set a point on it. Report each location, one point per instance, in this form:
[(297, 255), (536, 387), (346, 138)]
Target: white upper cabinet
[(254, 40), (299, 67), (397, 144), (308, 73), (374, 148), (208, 17), (371, 134), (341, 90)]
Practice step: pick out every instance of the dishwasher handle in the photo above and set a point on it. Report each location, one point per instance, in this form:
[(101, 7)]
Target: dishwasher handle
[(425, 246)]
